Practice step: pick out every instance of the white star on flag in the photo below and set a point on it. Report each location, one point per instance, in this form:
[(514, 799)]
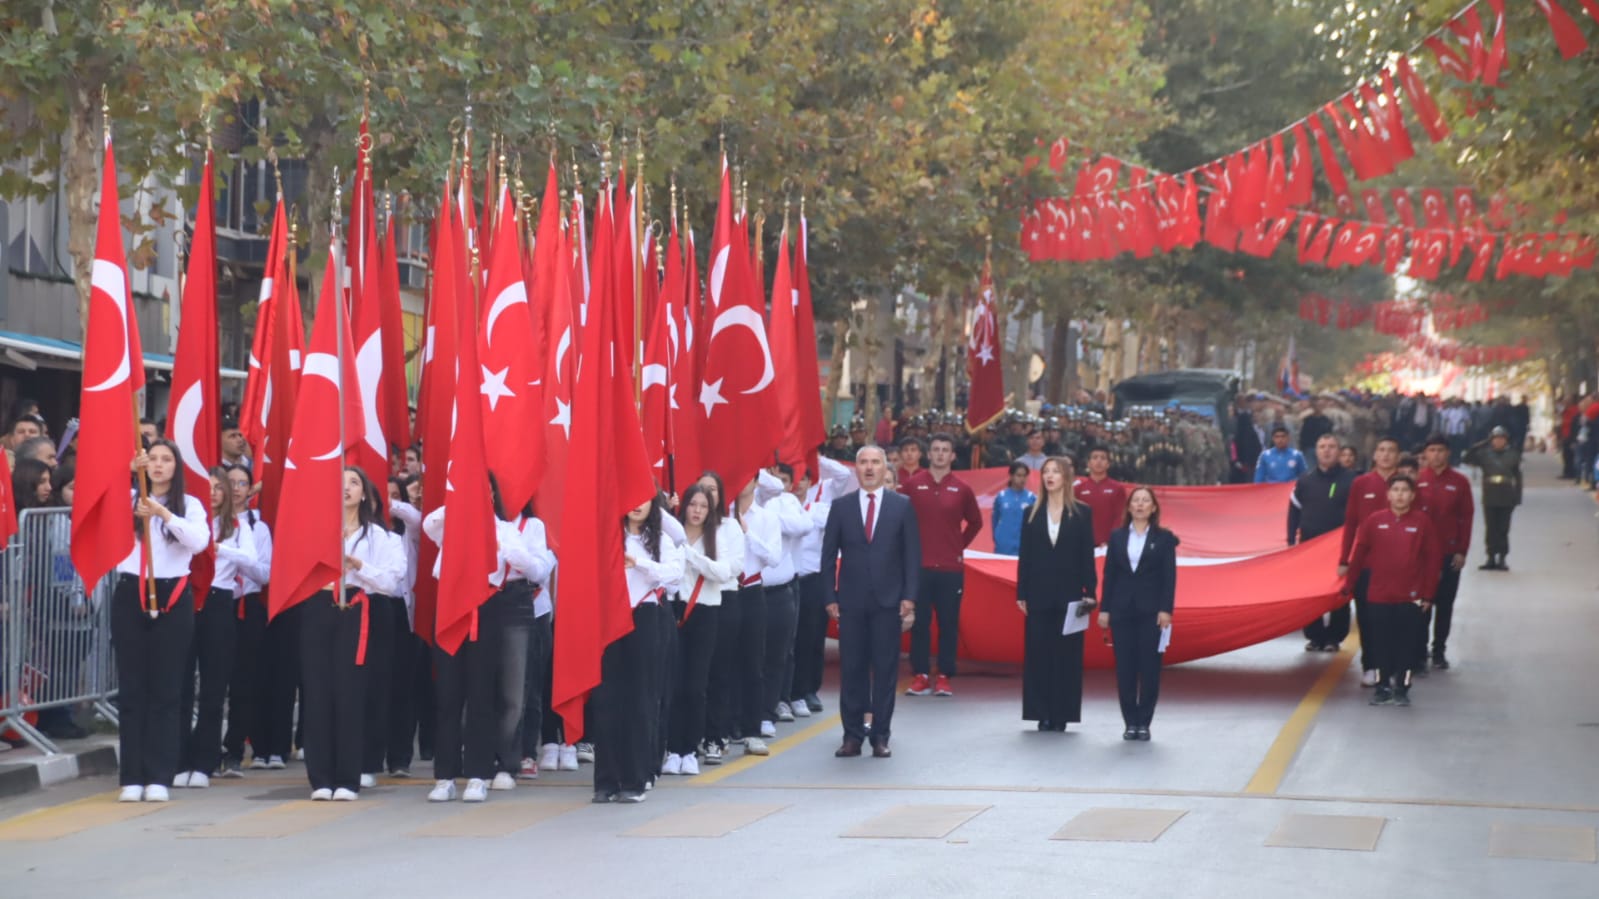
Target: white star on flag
[(494, 386), (563, 416), (711, 396)]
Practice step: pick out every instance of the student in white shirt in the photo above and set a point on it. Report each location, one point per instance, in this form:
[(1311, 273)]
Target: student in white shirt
[(487, 675), (720, 690), (540, 643), (624, 723), (387, 621), (410, 656), (212, 651), (810, 631), (711, 562), (152, 636), (247, 689), (739, 666), (779, 581), (333, 665)]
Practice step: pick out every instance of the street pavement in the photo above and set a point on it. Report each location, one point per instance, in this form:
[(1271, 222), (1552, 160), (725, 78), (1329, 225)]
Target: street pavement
[(1268, 776)]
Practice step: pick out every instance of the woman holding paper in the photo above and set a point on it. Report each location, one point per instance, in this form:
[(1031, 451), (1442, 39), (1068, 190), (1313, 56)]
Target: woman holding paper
[(1055, 581), (1140, 586)]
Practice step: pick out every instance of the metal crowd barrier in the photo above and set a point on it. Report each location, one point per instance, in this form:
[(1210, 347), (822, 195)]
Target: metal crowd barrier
[(55, 636)]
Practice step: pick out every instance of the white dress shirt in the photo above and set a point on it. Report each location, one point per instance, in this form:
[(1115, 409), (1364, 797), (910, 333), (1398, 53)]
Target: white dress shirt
[(257, 573), (514, 556), (169, 558), (793, 524), (233, 556), (382, 555), (729, 555), (1135, 546), (833, 481), (763, 541), (528, 531), (649, 578)]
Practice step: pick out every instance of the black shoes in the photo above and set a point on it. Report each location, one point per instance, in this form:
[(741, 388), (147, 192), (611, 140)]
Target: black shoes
[(1440, 662), (1143, 734), (1402, 697), (1382, 696), (1130, 734), (1496, 562), (814, 704), (1045, 726)]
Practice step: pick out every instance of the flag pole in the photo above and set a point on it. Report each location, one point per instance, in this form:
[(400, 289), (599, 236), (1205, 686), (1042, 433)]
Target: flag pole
[(638, 277), (336, 262)]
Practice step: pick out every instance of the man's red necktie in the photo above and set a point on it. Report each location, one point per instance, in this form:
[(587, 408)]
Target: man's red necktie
[(871, 515)]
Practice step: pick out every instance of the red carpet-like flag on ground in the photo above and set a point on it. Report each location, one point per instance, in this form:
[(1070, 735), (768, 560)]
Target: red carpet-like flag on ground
[(113, 373), (193, 420), (310, 555)]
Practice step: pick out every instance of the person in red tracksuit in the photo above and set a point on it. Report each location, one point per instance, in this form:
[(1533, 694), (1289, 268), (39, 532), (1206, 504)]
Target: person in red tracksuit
[(1400, 551), (1367, 496), (1104, 496), (1445, 495)]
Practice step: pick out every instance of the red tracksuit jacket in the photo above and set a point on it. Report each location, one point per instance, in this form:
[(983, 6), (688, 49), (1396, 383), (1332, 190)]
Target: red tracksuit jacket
[(1402, 553)]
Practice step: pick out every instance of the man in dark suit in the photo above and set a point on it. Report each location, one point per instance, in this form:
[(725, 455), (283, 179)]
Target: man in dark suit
[(873, 529)]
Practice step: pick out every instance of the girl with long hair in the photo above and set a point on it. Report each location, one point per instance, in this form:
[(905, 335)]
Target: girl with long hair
[(624, 741), (1054, 568), (333, 672), (1136, 605), (211, 652), (713, 553), (247, 690), (152, 641)]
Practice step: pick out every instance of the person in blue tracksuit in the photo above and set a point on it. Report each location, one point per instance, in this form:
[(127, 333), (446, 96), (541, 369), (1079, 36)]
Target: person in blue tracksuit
[(1282, 464), (1010, 506)]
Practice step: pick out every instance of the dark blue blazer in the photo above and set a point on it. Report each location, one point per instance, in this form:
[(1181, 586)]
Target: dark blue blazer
[(1150, 589), (877, 574)]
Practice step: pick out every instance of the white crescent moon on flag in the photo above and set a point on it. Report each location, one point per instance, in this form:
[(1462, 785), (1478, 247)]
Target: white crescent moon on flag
[(719, 275), (515, 292), (326, 366), (107, 278), (369, 371), (744, 316), (561, 346), (184, 418), (653, 375)]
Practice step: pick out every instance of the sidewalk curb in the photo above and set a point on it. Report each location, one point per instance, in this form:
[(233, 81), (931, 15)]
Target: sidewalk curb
[(34, 772)]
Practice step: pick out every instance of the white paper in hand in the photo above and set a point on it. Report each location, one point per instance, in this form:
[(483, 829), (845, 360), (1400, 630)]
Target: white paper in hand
[(1076, 619), (1165, 639)]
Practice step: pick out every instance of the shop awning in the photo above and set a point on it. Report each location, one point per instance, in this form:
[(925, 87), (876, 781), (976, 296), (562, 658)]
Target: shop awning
[(31, 350)]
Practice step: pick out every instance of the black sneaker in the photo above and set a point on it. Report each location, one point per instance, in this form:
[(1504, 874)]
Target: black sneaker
[(1402, 697), (1440, 662), (813, 702), (602, 797), (1382, 696)]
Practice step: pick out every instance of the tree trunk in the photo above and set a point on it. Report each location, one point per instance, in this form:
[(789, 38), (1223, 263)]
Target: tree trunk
[(835, 370), (1022, 360), (1058, 373), (869, 346), (80, 169), (1110, 367)]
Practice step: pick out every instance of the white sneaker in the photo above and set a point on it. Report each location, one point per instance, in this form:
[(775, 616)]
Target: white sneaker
[(198, 781), (568, 759), (443, 791), (673, 764), (321, 795), (585, 753), (276, 763), (476, 790), (691, 765), (132, 793), (503, 781), (182, 780), (784, 713), (259, 763), (299, 755), (800, 709), (155, 793), (1369, 678), (550, 757), (768, 730), (343, 794), (713, 753), (368, 781), (756, 746)]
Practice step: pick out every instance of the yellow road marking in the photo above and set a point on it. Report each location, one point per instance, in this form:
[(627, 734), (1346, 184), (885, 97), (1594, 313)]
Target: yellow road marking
[(73, 817), (1274, 767), (776, 747)]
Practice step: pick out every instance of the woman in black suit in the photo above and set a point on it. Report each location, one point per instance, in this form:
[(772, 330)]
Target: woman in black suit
[(1054, 567), (1140, 587)]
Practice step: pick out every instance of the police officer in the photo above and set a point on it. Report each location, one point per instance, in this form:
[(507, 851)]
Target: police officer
[(1500, 461)]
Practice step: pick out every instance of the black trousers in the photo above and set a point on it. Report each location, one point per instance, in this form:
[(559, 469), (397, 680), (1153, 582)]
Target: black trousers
[(424, 691), (379, 682), (483, 685), (534, 695), (211, 655), (1052, 668), (151, 658), (1135, 638), (810, 638), (721, 695), (282, 673), (1496, 529), (333, 701), (749, 654), (406, 655), (1330, 629), (247, 689), (1393, 631), (696, 647), (665, 685), (1368, 658), (938, 594), (552, 728), (623, 704), (868, 649), (1442, 615), (782, 615)]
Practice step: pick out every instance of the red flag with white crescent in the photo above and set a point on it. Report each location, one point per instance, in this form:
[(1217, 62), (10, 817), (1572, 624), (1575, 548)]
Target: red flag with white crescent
[(813, 426), (113, 373), (252, 411), (280, 384), (511, 401), (984, 365), (366, 320)]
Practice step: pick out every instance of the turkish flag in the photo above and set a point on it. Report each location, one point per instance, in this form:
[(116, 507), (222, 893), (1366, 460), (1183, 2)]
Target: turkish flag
[(1219, 228), (468, 557), (1301, 173), (1494, 61), (252, 411), (366, 320), (549, 288), (1482, 249), (8, 505), (984, 357), (1394, 246), (434, 412), (613, 479), (512, 405), (310, 555), (813, 426), (736, 389), (1428, 249), (193, 420), (1276, 200), (1329, 160), (1394, 119), (661, 345), (1057, 155), (1402, 206), (280, 383), (786, 350), (393, 394), (1421, 101), (1568, 37), (1374, 208), (684, 379), (1316, 250), (113, 373), (1434, 208), (565, 291)]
